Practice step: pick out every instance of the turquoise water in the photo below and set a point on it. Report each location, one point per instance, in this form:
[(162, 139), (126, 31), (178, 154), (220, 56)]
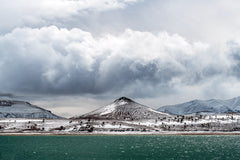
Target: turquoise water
[(119, 147)]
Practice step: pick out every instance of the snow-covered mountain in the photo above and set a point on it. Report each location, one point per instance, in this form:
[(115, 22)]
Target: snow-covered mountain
[(21, 109), (213, 106), (124, 109)]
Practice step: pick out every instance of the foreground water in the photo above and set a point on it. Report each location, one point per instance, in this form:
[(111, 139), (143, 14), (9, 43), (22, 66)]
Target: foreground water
[(119, 147)]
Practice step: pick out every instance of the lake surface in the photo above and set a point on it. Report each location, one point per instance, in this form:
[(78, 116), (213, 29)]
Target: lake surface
[(119, 147)]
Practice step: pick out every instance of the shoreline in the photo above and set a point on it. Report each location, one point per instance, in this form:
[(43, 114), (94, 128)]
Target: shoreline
[(119, 134)]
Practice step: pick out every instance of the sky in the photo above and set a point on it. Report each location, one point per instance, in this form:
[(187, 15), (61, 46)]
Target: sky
[(73, 56)]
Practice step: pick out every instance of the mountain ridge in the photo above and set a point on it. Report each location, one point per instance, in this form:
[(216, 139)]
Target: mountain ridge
[(211, 106), (22, 109)]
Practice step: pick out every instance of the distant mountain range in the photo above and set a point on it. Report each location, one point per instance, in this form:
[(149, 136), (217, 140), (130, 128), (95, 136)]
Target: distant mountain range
[(21, 109), (124, 109), (203, 107)]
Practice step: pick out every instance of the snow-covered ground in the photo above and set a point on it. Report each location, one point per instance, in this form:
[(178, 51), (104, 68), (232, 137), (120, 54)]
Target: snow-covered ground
[(170, 125)]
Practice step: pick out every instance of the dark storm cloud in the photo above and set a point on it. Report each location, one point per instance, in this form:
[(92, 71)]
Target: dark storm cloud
[(120, 76)]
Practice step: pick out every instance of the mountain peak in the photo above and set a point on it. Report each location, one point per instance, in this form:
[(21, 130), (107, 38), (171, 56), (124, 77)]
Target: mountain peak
[(123, 99)]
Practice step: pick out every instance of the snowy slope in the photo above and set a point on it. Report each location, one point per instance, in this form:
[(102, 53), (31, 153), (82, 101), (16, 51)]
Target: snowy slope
[(124, 109), (21, 109), (213, 106)]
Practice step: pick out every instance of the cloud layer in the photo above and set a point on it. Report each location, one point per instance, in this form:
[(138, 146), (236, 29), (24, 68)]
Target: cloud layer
[(31, 13), (72, 53), (58, 61)]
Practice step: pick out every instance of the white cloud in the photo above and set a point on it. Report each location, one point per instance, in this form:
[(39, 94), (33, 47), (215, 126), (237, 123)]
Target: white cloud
[(30, 12)]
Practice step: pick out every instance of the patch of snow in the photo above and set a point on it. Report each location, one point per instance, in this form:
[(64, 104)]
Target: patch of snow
[(120, 103), (108, 109)]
